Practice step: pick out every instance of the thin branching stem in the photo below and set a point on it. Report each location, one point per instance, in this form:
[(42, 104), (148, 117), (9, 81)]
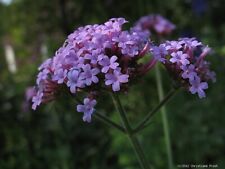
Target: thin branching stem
[(109, 122), (133, 139), (144, 123)]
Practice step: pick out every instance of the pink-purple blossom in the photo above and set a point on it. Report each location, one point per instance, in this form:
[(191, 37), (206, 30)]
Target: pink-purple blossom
[(179, 58), (87, 108), (174, 45), (89, 75), (189, 72), (108, 63), (37, 99), (116, 78), (59, 75), (155, 23), (159, 53), (94, 57), (74, 80), (186, 63), (104, 57), (198, 87)]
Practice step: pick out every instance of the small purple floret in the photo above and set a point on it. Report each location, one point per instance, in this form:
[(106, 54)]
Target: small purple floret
[(159, 53), (87, 108), (74, 81), (37, 100), (179, 57), (89, 75), (198, 87), (107, 62), (115, 79)]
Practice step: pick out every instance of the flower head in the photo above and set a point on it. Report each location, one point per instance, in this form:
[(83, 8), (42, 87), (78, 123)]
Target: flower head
[(155, 23), (186, 63), (93, 57)]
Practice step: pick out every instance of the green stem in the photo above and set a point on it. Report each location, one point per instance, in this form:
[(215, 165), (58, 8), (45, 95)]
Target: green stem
[(134, 141), (164, 118), (109, 122), (145, 122), (137, 129)]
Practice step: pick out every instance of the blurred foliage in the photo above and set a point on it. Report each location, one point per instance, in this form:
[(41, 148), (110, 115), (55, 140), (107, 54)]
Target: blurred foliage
[(55, 137)]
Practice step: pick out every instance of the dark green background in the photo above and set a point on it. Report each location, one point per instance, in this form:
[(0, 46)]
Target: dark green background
[(55, 137)]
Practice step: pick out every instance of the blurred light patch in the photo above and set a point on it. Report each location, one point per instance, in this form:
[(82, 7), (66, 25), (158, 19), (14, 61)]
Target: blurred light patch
[(7, 2), (10, 58)]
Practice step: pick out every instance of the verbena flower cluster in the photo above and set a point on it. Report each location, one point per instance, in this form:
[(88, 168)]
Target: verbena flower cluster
[(93, 58), (185, 60), (154, 23), (104, 57)]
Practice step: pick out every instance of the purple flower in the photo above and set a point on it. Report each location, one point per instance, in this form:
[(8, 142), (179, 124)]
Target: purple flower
[(45, 64), (115, 23), (187, 64), (87, 108), (159, 53), (128, 43), (72, 59), (94, 54), (59, 75), (173, 45), (189, 72), (198, 87), (163, 26), (115, 79), (154, 23), (37, 100), (179, 57), (43, 75), (189, 42), (92, 58), (74, 80), (107, 62), (89, 75)]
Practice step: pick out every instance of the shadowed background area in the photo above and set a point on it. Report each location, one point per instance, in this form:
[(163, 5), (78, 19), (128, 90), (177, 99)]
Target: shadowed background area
[(55, 137)]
